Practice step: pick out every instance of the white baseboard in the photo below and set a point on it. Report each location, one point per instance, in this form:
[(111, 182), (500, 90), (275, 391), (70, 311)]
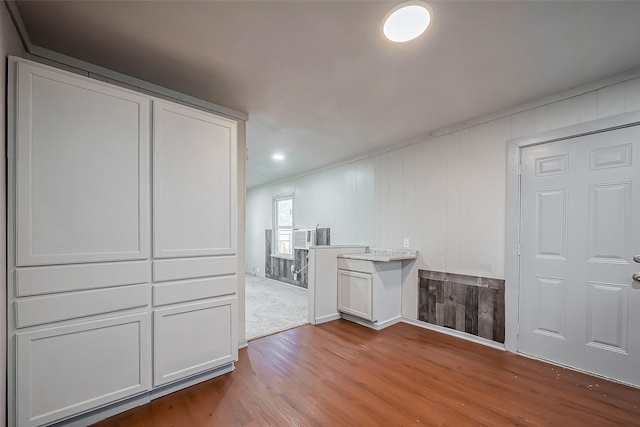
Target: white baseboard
[(371, 325), (325, 319), (242, 343), (454, 333), (103, 413), (387, 323), (141, 399), (188, 382)]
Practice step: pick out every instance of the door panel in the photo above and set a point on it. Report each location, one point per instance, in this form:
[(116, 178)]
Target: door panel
[(609, 222), (607, 316), (70, 369), (355, 293), (551, 223), (580, 227), (551, 300), (207, 329), (82, 170), (194, 183)]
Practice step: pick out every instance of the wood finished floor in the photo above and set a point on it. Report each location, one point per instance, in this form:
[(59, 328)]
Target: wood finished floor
[(340, 374)]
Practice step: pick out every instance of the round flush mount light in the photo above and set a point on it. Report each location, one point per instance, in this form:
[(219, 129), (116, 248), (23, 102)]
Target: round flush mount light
[(278, 156), (406, 21)]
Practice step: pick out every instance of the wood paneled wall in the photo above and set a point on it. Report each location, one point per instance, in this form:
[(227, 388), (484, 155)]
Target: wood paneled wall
[(446, 194), (474, 305), (280, 268)]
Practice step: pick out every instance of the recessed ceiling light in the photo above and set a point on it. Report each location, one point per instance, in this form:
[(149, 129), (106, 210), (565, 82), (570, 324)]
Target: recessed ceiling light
[(406, 21), (278, 156)]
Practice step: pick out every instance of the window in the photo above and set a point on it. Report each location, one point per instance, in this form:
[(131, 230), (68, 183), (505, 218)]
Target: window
[(283, 226)]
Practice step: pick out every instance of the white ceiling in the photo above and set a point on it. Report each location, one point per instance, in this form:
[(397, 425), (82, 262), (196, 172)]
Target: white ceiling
[(317, 79)]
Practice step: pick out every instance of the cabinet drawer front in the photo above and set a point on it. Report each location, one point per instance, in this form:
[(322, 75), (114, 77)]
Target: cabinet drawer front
[(65, 278), (355, 294), (73, 305), (82, 169), (70, 369), (193, 268), (191, 290), (193, 338), (355, 265)]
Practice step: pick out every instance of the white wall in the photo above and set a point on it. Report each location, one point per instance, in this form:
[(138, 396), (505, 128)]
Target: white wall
[(446, 194), (11, 45)]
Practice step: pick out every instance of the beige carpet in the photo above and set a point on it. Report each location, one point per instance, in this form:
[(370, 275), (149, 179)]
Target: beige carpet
[(272, 307)]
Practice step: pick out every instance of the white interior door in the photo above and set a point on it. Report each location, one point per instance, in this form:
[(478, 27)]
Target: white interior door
[(580, 229)]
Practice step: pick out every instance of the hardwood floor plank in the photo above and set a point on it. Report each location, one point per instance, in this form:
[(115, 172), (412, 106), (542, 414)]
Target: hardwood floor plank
[(342, 374)]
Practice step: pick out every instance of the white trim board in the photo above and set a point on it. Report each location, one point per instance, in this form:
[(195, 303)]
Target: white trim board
[(453, 333), (371, 325), (121, 406), (37, 52), (515, 146), (325, 319), (17, 21)]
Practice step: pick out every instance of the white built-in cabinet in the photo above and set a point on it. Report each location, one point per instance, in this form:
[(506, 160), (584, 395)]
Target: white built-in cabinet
[(370, 290), (113, 292)]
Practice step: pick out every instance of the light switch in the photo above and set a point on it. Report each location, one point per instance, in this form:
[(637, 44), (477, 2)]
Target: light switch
[(405, 242)]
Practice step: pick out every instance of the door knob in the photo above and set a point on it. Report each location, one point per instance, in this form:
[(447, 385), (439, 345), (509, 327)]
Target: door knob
[(636, 277), (636, 258)]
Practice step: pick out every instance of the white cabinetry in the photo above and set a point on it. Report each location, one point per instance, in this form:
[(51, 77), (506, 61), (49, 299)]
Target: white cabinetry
[(82, 170), (194, 217), (355, 293), (190, 327), (370, 290), (68, 369), (194, 170), (83, 279)]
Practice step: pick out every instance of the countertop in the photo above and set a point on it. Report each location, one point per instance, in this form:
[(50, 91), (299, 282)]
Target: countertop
[(382, 255)]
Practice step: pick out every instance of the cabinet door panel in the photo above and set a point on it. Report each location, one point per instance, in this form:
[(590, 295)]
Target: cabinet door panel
[(355, 293), (193, 338), (194, 182), (71, 369), (82, 159)]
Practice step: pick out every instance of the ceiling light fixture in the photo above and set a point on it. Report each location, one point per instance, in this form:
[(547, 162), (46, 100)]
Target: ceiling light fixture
[(278, 156), (406, 21)]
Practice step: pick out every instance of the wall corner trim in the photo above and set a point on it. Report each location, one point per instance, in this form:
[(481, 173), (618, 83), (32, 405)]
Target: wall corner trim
[(12, 7)]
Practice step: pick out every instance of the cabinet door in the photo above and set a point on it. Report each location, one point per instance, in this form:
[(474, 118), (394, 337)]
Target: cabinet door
[(355, 293), (193, 338), (195, 198), (82, 169), (66, 370)]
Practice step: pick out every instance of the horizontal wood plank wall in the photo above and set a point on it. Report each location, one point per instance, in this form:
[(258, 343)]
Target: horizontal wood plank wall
[(343, 374), (280, 268), (446, 194), (474, 305)]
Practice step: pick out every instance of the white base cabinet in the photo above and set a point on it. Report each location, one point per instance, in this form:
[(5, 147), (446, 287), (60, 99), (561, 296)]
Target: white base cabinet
[(84, 282), (370, 290), (68, 369), (190, 327), (355, 293)]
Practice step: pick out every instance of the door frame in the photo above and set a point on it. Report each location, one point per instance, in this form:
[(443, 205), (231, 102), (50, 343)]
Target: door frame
[(513, 205)]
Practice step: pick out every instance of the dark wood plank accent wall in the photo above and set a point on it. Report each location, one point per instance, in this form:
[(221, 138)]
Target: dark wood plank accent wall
[(470, 304), (280, 268)]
